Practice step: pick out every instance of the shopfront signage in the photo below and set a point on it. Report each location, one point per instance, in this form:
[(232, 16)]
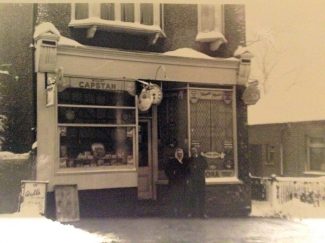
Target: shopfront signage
[(156, 93), (33, 196), (251, 94), (97, 84), (145, 100)]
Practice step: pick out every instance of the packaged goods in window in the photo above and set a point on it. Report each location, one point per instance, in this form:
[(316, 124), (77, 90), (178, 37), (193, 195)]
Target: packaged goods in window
[(97, 146)]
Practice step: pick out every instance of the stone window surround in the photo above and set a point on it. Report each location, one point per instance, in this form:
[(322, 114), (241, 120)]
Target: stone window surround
[(94, 22), (215, 36)]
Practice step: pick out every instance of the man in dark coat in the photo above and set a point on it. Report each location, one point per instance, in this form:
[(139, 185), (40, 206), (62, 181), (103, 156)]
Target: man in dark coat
[(176, 171), (196, 188)]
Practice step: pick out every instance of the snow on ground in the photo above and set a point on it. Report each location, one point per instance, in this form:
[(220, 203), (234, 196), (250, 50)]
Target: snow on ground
[(5, 155), (23, 227), (294, 209)]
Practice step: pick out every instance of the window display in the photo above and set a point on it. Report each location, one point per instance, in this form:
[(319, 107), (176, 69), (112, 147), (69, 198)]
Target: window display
[(96, 128), (212, 129), (89, 146)]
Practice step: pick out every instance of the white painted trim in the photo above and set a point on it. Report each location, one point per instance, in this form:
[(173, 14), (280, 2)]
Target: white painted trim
[(97, 106), (137, 12), (235, 134), (117, 11), (218, 16), (211, 181), (146, 57), (222, 180), (154, 127), (73, 11), (156, 15), (94, 19), (93, 125), (320, 173), (97, 169)]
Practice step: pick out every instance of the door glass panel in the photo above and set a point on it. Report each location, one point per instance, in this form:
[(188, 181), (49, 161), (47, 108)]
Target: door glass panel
[(143, 144)]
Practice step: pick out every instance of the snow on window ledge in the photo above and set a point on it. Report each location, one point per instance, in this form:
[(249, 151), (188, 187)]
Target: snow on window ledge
[(211, 181), (223, 180), (215, 38), (117, 26), (317, 173)]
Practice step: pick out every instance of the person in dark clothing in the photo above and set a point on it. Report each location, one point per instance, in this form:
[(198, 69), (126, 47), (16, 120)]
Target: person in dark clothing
[(176, 171), (196, 187)]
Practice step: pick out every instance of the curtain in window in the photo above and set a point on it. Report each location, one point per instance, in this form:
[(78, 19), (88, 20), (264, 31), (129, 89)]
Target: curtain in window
[(107, 11), (207, 18), (146, 13), (81, 11), (127, 12)]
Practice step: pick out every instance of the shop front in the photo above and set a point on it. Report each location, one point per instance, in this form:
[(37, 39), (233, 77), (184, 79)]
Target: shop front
[(101, 127)]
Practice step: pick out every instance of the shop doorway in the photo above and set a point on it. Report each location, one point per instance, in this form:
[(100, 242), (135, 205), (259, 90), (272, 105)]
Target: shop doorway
[(145, 169)]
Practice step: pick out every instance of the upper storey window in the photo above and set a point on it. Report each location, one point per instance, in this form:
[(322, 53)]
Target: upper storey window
[(135, 18), (210, 25)]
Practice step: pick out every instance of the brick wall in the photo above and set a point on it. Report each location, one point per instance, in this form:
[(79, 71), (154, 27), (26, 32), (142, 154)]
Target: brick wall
[(294, 143), (179, 24)]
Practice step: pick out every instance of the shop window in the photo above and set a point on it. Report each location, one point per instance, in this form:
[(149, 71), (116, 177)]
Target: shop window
[(211, 117), (315, 154), (142, 18), (210, 25), (96, 128)]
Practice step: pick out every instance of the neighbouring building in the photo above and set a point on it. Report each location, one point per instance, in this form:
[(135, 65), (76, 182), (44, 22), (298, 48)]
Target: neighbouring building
[(120, 85), (288, 149)]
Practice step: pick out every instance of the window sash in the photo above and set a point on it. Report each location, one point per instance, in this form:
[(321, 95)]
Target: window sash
[(146, 14), (127, 12), (210, 18), (207, 18), (81, 11), (143, 13), (107, 11)]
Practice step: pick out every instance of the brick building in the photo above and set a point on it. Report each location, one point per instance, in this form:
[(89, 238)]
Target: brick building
[(288, 149), (101, 70)]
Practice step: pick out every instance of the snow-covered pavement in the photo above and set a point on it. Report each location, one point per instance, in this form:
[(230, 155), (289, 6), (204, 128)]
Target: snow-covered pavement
[(26, 228), (295, 222)]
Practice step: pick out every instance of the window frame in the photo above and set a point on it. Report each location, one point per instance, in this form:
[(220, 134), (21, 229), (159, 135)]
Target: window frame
[(270, 149), (102, 168), (309, 146), (214, 37), (221, 179), (94, 20)]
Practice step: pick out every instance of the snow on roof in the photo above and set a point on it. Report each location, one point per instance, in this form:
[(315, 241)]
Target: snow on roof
[(240, 50), (188, 52), (64, 41), (34, 146), (45, 27), (5, 155)]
